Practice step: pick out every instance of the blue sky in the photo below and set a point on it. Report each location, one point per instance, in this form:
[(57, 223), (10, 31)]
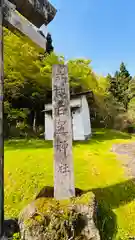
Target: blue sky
[(100, 30)]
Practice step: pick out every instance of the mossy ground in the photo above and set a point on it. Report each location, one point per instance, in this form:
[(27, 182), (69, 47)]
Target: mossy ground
[(29, 167)]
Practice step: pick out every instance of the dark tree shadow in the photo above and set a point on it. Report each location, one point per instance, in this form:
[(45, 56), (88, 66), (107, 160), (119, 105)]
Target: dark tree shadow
[(103, 135), (107, 198), (48, 192), (106, 222), (27, 144), (98, 136), (116, 195)]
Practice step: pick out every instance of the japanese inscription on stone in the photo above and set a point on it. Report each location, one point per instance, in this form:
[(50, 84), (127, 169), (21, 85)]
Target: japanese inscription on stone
[(63, 161)]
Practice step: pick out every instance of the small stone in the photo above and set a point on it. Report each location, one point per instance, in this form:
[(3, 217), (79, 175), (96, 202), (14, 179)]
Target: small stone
[(10, 227)]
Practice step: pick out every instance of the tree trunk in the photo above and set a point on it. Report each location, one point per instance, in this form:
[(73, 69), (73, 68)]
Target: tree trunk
[(34, 122)]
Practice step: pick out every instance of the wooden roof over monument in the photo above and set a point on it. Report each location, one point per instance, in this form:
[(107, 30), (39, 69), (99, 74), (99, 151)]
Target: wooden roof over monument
[(38, 12)]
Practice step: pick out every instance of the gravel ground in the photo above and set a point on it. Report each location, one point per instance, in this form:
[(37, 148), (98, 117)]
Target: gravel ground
[(126, 153)]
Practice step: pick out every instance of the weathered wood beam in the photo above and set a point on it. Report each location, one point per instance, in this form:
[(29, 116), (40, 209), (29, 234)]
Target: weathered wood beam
[(16, 23), (38, 12)]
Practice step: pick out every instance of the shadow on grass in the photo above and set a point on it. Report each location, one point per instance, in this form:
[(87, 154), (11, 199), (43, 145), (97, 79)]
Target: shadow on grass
[(103, 134), (100, 135), (27, 144), (116, 195), (108, 198), (106, 222)]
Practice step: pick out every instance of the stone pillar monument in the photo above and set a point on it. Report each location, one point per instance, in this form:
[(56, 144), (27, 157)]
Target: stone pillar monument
[(63, 161)]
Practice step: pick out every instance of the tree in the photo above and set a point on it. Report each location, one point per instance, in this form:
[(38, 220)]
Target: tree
[(21, 71), (131, 89), (113, 82), (131, 110), (49, 46), (28, 82), (124, 79), (27, 76), (124, 73), (81, 76), (119, 85)]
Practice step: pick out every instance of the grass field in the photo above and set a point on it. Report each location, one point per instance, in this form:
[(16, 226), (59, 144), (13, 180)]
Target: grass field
[(29, 167)]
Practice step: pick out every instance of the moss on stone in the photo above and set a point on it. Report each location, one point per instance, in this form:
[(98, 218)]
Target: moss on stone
[(86, 198), (44, 205), (63, 219)]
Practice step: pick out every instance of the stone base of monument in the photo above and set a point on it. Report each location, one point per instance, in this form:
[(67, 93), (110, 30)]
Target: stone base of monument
[(46, 218)]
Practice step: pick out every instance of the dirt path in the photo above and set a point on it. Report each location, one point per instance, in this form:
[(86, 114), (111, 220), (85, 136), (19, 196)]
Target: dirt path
[(126, 153)]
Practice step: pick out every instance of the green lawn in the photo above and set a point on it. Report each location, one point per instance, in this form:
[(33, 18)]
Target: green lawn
[(29, 167)]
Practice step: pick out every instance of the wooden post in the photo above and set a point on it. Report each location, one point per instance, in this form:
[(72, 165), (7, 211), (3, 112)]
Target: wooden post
[(63, 162), (1, 123)]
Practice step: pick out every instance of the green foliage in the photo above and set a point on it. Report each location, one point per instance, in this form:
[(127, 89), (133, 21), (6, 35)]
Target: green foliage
[(6, 107), (16, 236), (28, 78), (15, 115), (107, 106), (121, 90), (113, 82), (131, 105), (28, 84), (119, 85), (81, 77), (131, 89), (131, 112), (109, 110)]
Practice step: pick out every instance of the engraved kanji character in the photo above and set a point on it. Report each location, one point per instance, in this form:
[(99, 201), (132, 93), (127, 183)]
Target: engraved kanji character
[(60, 110), (60, 126), (60, 92), (63, 168), (61, 146)]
